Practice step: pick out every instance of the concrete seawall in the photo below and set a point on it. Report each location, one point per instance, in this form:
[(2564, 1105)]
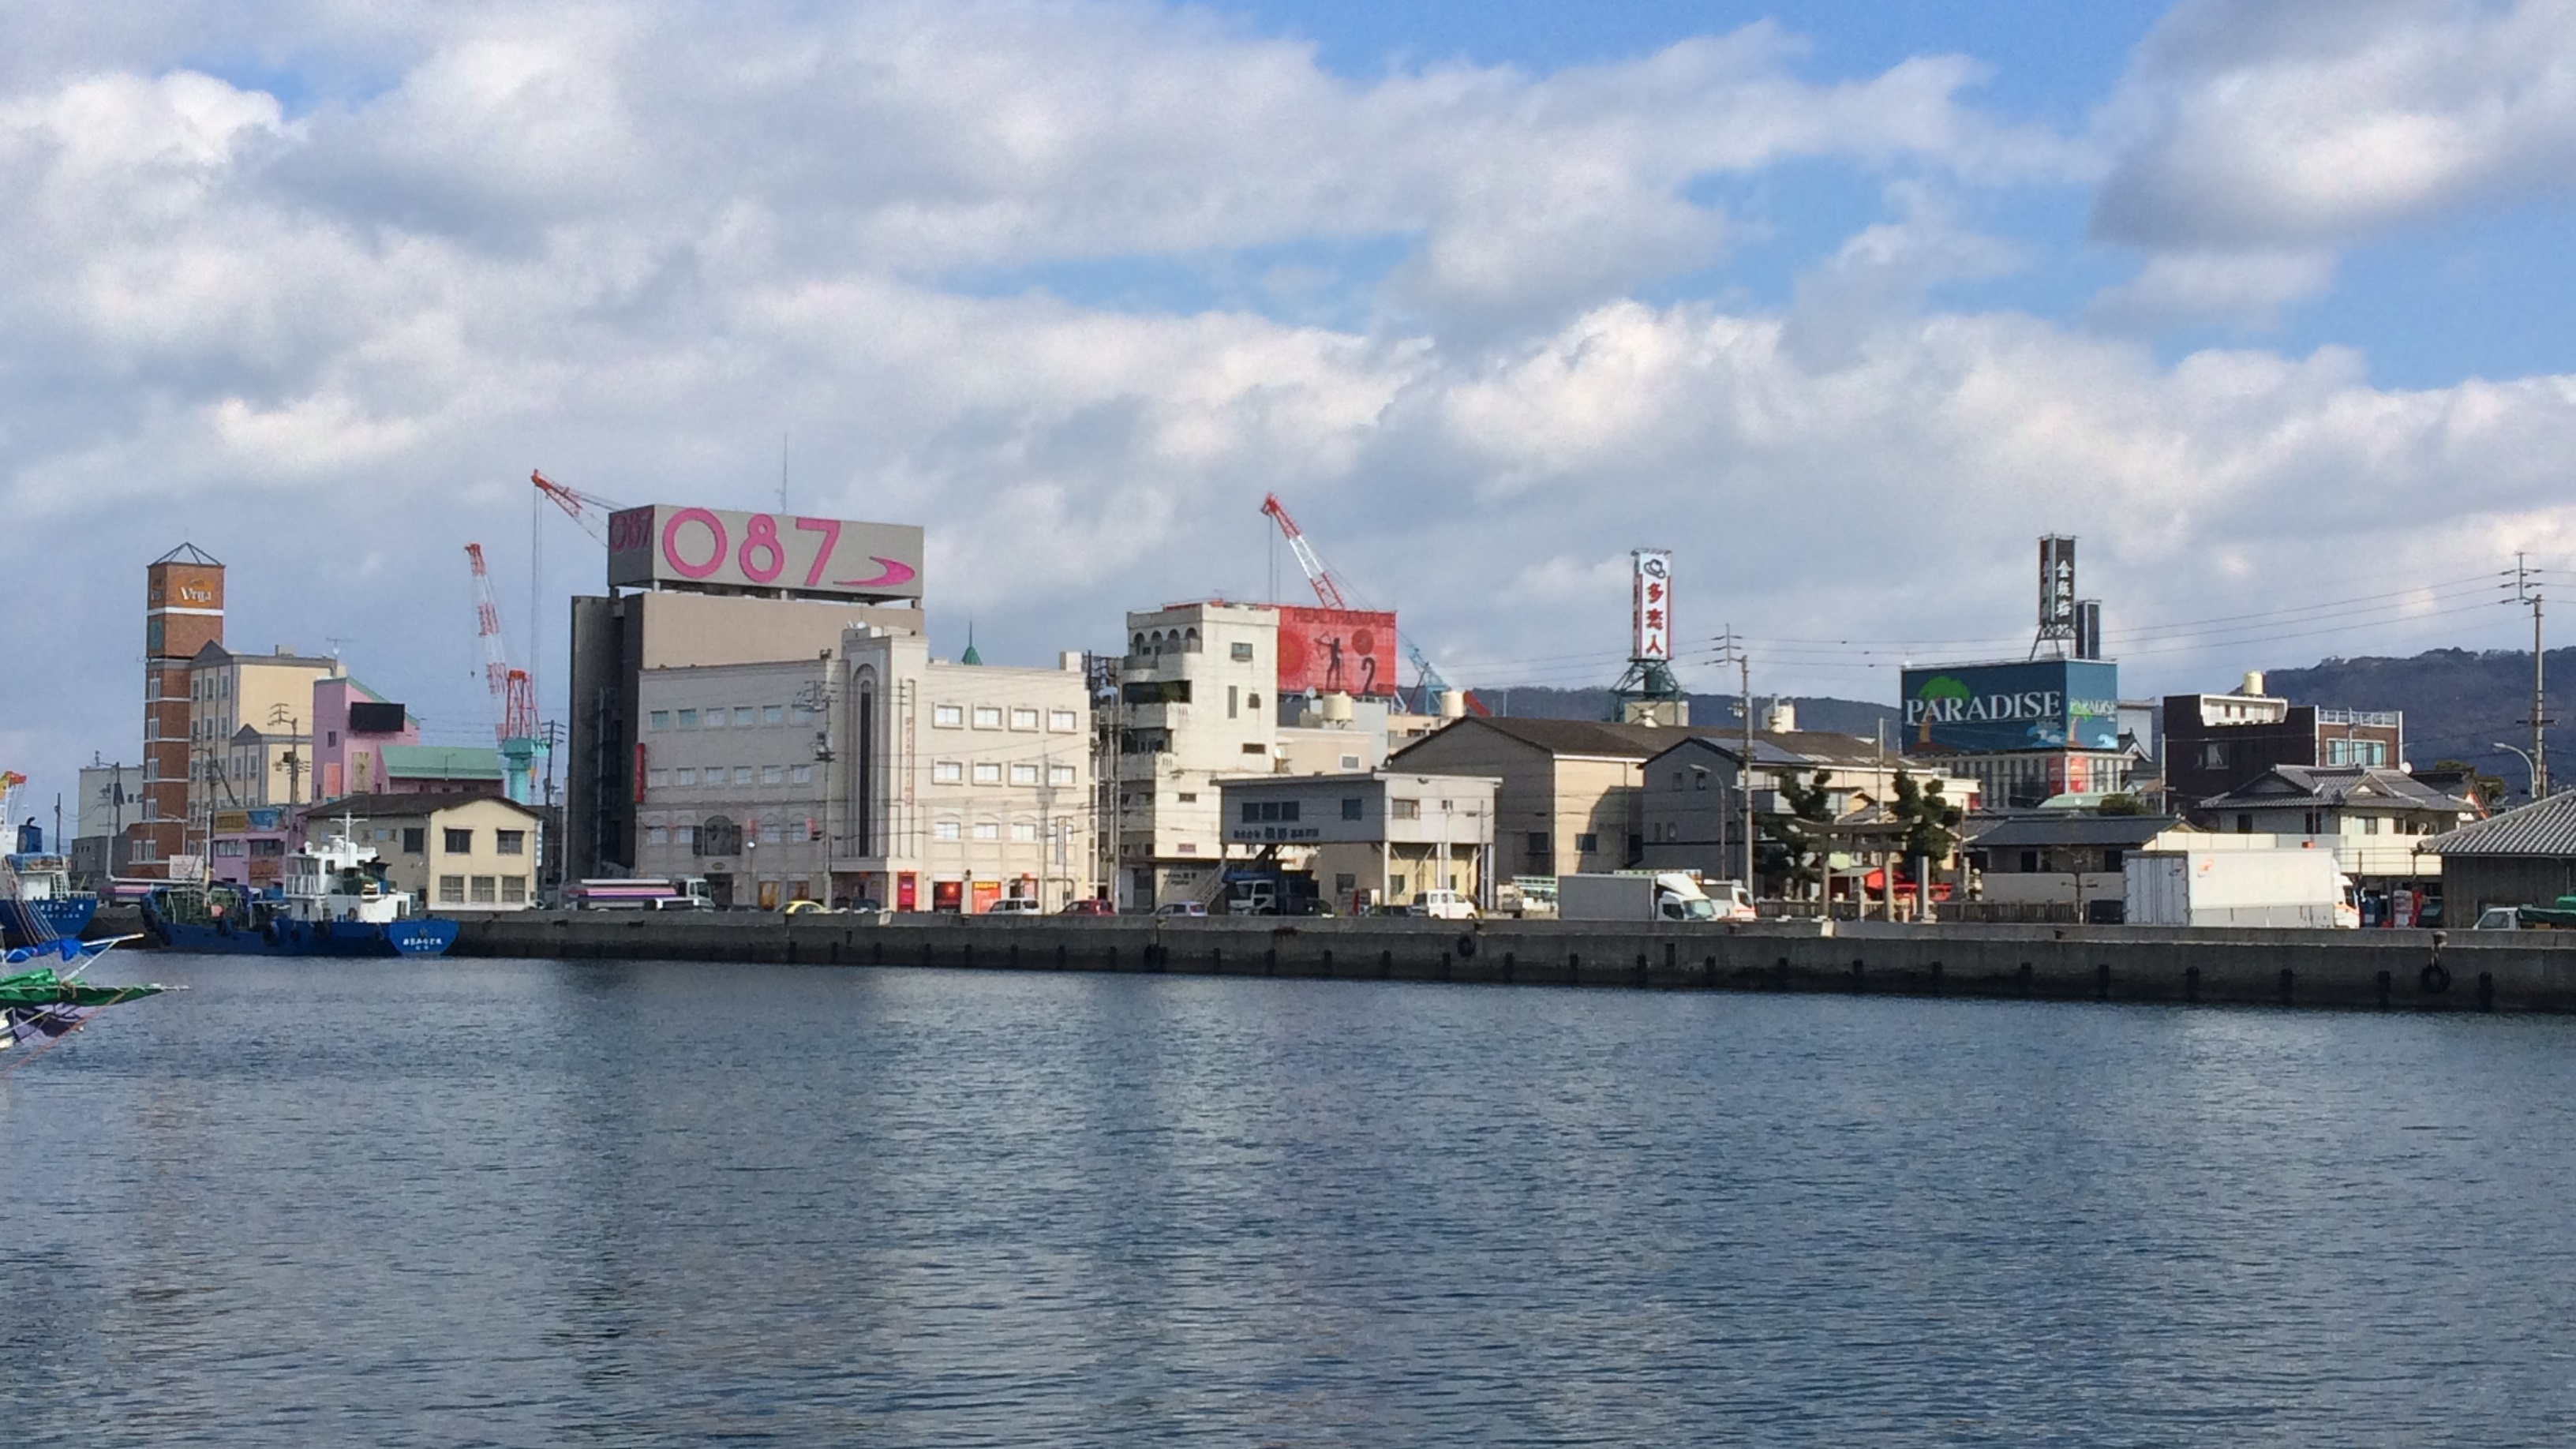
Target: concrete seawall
[(2368, 970)]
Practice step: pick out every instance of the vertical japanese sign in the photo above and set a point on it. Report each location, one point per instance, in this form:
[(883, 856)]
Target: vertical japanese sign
[(1653, 579), (2057, 583)]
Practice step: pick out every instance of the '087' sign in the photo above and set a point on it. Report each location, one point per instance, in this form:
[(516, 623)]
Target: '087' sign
[(663, 544)]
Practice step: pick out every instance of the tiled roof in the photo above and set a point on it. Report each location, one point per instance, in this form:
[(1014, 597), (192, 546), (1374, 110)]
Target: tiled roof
[(1570, 736), (2124, 832), (2339, 785), (2542, 828), (380, 806)]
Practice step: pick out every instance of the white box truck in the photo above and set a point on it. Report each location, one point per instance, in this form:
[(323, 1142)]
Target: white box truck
[(1668, 895), (2237, 888)]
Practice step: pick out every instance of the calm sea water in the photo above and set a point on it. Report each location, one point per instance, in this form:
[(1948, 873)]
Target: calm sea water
[(537, 1203)]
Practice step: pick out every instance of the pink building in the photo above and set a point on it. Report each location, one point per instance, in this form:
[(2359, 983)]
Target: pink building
[(352, 726)]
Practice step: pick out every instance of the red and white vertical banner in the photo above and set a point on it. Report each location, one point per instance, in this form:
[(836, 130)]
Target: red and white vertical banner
[(1653, 568)]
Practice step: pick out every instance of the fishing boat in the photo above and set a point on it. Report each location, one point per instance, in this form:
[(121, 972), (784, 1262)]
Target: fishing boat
[(334, 901), (39, 905), (41, 1004)]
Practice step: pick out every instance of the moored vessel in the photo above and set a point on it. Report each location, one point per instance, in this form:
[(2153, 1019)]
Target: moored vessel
[(334, 901)]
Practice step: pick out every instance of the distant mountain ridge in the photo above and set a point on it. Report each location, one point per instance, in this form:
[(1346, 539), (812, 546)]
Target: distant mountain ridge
[(2458, 702), (1815, 712)]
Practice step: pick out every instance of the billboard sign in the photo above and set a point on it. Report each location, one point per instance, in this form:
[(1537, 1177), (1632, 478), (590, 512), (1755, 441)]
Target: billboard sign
[(1652, 610), (817, 557), (2047, 704), (2057, 583), (1329, 651)]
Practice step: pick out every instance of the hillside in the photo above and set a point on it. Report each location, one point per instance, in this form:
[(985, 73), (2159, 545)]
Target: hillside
[(1842, 716), (2458, 702)]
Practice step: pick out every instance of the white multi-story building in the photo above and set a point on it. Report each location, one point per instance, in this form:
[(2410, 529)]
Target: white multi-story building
[(963, 784), (1197, 702)]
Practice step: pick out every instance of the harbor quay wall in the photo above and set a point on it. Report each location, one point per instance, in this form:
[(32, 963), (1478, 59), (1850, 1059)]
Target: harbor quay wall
[(2365, 970)]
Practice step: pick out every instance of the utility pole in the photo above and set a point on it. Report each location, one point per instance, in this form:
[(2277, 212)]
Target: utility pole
[(1731, 650), (280, 714), (2525, 583)]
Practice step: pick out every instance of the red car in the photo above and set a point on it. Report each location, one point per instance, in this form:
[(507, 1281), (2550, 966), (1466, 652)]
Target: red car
[(1093, 907)]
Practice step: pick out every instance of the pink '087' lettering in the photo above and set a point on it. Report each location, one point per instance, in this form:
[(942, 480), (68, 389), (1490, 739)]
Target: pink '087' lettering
[(830, 528), (671, 543), (761, 535)]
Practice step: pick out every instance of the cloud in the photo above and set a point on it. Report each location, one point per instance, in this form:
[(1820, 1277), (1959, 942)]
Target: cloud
[(2295, 126), (323, 322), (2213, 286)]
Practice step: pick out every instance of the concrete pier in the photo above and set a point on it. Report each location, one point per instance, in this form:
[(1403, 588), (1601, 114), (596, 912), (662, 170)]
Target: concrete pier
[(2349, 970)]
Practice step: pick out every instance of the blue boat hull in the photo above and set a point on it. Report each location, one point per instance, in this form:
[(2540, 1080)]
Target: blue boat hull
[(419, 936), (53, 917)]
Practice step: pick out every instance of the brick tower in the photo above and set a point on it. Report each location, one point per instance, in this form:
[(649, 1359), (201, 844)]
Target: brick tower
[(183, 612)]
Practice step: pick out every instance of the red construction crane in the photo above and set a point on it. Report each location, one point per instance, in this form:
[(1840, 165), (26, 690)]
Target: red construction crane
[(1329, 592), (587, 509), (514, 698)]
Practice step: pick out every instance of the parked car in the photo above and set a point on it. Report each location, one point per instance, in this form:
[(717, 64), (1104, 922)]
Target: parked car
[(803, 908), (1180, 908), (1443, 906), (863, 903), (1016, 906), (2498, 918), (1089, 906)]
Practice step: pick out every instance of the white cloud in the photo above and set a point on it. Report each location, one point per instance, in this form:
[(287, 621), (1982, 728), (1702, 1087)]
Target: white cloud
[(2214, 286), (2294, 126), (327, 338)]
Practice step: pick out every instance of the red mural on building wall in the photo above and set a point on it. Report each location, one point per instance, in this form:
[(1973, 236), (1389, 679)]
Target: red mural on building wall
[(1347, 651)]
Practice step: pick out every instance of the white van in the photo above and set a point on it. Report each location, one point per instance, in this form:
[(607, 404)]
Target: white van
[(1442, 906)]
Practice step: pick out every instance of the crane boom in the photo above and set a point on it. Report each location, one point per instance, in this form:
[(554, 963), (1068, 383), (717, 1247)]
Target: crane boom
[(588, 510), (1327, 591), (514, 697)]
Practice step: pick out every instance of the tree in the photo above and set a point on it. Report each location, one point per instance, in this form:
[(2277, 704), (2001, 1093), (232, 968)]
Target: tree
[(2491, 788), (1791, 851), (1929, 819), (2123, 803)]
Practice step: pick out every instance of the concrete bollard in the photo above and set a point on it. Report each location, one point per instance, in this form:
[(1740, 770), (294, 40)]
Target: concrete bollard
[(1936, 978), (2102, 982), (2191, 985), (2289, 982), (2486, 991), (2381, 980)]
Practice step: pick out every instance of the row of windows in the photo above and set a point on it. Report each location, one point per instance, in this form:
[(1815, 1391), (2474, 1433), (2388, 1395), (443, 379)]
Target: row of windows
[(482, 890), (1024, 831), (659, 778), (740, 716), (990, 772), (991, 716)]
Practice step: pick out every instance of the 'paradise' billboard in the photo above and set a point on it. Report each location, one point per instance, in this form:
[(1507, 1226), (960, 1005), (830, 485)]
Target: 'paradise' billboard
[(2046, 704)]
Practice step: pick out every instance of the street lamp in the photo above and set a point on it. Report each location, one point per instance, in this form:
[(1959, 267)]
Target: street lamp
[(2526, 764)]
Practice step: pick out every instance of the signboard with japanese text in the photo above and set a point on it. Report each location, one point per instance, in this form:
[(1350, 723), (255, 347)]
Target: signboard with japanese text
[(2057, 583), (2047, 704), (1336, 651), (1653, 577), (662, 545)]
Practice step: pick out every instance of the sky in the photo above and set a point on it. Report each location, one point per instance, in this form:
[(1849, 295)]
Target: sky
[(2265, 303)]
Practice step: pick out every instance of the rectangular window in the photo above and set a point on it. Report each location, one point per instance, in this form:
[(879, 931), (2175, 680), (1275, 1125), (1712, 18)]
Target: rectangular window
[(1256, 749), (948, 716), (944, 830), (773, 774), (1024, 719), (459, 842), (773, 714), (1233, 700), (1063, 721), (656, 779), (1350, 762), (451, 890), (2244, 824), (657, 835), (715, 719), (988, 830), (988, 716), (742, 774), (988, 772), (1024, 774), (1588, 844), (1251, 812), (514, 890), (1240, 653), (1059, 774), (685, 775), (744, 716), (1155, 691), (947, 772), (1025, 831), (688, 719), (800, 774), (661, 719), (415, 839), (1412, 810), (487, 890), (1188, 797), (509, 842), (1354, 808)]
